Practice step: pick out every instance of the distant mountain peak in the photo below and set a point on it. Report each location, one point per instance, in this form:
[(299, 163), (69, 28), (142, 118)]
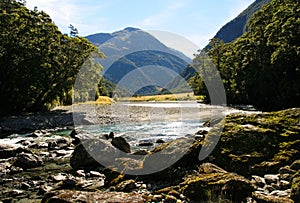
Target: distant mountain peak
[(132, 29)]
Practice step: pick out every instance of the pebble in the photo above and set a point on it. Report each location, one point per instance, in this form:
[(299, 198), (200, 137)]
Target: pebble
[(157, 198), (146, 144), (80, 173), (160, 141), (25, 186), (286, 176), (26, 160), (280, 193), (170, 199), (96, 174), (44, 189), (24, 142), (269, 188), (69, 183), (284, 184), (126, 186), (275, 186), (59, 177), (259, 181), (271, 178)]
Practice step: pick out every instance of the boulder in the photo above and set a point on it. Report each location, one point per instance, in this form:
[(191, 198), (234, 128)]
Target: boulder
[(218, 182), (27, 161), (59, 177), (121, 144), (172, 159), (170, 199), (93, 153), (126, 186), (70, 196), (259, 181), (263, 198), (96, 174), (295, 165), (146, 144), (295, 189), (91, 184), (160, 141), (280, 193), (210, 168), (4, 168), (269, 178), (9, 150), (59, 144), (286, 170), (258, 144)]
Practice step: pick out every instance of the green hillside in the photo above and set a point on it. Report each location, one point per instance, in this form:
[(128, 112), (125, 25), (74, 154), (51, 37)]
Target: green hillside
[(262, 67)]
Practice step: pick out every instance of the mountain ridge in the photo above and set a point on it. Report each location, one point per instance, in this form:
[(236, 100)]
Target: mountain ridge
[(229, 32), (240, 23), (134, 51)]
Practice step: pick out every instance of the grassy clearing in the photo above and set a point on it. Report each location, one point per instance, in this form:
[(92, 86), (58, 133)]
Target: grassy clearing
[(102, 100), (166, 97)]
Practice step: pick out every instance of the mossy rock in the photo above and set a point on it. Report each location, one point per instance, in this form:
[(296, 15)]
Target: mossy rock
[(69, 196), (213, 185), (295, 165), (92, 153), (175, 158), (261, 198), (250, 142), (295, 190)]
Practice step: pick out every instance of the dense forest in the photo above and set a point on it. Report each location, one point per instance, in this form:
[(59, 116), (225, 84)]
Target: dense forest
[(262, 67), (38, 64)]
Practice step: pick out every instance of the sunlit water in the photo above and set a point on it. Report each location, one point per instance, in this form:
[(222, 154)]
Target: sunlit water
[(149, 131), (161, 122)]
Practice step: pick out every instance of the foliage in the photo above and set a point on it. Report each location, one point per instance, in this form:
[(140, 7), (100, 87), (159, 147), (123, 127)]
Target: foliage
[(38, 63), (239, 25), (263, 66), (258, 143)]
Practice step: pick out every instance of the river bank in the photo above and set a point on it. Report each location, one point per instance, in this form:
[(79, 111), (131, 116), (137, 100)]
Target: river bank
[(255, 160)]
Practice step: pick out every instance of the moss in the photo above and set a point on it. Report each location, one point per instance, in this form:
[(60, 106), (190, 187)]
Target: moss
[(228, 185), (295, 189), (249, 140)]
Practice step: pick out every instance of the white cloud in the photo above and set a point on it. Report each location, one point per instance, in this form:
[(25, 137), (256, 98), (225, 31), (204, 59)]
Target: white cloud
[(67, 12), (164, 16), (62, 11)]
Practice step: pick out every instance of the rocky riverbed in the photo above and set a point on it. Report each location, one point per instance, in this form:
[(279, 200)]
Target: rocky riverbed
[(257, 159)]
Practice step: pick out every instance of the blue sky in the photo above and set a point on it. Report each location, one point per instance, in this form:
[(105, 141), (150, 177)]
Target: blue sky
[(196, 20)]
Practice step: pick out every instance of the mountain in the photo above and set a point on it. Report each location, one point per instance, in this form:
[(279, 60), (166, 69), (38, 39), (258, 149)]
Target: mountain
[(229, 32), (137, 61), (239, 25)]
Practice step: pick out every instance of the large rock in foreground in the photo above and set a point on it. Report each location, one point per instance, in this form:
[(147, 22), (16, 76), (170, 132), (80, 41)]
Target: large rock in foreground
[(9, 150), (259, 143), (214, 182), (70, 196), (93, 153)]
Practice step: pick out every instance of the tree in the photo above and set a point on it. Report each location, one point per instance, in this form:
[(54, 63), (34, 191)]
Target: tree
[(38, 64), (73, 31), (262, 67)]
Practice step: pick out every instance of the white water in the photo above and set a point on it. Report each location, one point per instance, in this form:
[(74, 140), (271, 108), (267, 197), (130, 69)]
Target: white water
[(187, 121)]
